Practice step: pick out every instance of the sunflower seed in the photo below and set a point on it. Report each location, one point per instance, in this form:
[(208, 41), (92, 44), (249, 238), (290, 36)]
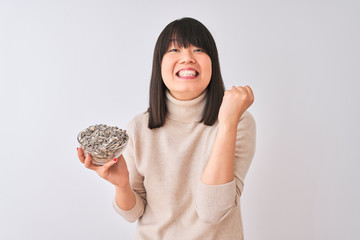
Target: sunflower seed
[(102, 142)]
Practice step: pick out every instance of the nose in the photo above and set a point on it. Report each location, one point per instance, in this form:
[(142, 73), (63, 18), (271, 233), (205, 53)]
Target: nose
[(187, 56)]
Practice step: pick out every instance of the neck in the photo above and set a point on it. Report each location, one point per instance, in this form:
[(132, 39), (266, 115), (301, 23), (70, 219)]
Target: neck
[(185, 110)]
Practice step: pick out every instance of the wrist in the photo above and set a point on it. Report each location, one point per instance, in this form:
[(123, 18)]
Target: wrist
[(123, 187), (228, 126)]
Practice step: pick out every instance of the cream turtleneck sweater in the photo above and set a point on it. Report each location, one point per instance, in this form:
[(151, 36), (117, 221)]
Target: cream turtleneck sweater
[(166, 165)]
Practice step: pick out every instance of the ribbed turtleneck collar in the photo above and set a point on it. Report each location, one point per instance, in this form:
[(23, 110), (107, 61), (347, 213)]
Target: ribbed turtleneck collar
[(185, 111)]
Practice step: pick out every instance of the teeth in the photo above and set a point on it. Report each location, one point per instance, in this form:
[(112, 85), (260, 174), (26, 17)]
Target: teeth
[(187, 73)]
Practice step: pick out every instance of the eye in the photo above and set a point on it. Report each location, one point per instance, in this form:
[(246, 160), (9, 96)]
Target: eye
[(199, 50), (173, 50)]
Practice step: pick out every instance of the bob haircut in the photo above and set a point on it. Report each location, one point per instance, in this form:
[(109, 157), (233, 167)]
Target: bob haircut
[(186, 32)]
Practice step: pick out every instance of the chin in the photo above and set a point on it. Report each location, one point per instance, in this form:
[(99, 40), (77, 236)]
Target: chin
[(186, 95)]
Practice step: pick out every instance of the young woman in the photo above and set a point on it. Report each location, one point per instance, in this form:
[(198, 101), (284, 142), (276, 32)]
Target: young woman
[(183, 171)]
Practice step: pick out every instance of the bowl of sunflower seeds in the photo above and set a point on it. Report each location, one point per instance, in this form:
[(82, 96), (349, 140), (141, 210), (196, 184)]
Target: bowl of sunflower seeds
[(102, 142)]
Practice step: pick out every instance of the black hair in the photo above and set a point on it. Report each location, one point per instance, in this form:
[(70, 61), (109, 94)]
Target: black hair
[(186, 32)]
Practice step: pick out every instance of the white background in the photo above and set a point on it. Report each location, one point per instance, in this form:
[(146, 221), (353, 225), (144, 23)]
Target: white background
[(65, 65)]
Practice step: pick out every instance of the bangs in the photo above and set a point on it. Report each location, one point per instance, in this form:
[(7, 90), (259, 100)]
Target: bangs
[(186, 32)]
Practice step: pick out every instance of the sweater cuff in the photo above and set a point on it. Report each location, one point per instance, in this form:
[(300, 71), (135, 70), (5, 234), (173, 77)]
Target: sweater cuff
[(214, 201), (133, 214)]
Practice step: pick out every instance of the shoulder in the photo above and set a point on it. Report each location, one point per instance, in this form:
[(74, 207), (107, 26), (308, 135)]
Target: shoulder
[(138, 122)]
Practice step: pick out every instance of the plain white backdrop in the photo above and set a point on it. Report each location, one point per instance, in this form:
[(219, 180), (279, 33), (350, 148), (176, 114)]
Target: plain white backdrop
[(65, 65)]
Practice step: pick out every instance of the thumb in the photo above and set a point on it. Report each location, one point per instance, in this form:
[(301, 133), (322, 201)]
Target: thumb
[(110, 163), (104, 170)]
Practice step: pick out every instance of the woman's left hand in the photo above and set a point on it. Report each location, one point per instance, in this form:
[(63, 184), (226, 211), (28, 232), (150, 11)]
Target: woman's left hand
[(234, 104)]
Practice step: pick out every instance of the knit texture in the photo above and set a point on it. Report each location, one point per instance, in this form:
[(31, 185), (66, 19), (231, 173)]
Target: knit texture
[(166, 165)]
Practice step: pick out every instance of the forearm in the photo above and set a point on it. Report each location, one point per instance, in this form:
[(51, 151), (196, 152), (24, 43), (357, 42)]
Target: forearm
[(125, 198), (220, 166)]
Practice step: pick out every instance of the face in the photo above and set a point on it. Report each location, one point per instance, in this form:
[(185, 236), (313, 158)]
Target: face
[(186, 72)]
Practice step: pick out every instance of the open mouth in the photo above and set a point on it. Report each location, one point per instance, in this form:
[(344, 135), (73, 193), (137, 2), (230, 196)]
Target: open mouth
[(187, 73)]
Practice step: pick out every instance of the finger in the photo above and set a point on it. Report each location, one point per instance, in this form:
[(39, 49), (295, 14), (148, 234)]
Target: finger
[(109, 164), (250, 92), (89, 164), (240, 88), (80, 153), (104, 170)]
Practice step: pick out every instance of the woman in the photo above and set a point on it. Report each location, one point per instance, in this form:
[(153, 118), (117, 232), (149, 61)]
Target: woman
[(188, 155)]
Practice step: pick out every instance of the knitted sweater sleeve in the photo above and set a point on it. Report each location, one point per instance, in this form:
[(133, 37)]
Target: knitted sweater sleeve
[(136, 179), (214, 202)]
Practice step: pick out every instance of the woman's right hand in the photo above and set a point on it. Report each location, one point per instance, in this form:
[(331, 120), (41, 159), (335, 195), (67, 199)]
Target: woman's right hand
[(115, 171)]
